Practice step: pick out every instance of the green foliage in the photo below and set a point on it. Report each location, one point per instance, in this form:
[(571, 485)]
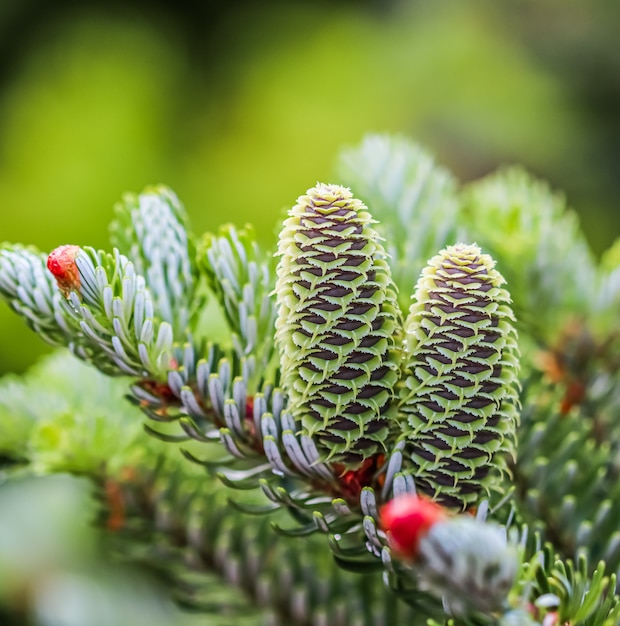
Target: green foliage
[(151, 229), (538, 246), (362, 416), (69, 419), (241, 277)]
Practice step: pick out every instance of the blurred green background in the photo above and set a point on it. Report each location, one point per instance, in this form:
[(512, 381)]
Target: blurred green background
[(240, 105)]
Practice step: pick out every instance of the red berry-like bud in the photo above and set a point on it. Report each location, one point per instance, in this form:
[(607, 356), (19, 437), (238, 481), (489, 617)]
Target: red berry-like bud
[(407, 519), (551, 619), (61, 263)]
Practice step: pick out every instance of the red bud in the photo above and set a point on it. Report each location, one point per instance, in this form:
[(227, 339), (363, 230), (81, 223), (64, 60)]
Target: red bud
[(61, 263), (551, 619), (407, 519)]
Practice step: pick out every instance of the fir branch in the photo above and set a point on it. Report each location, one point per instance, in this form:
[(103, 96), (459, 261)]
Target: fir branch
[(120, 330), (241, 276), (31, 291), (151, 230), (187, 526), (538, 246)]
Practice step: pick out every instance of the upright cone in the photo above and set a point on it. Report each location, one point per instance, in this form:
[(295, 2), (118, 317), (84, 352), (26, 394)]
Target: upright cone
[(458, 406), (338, 328)]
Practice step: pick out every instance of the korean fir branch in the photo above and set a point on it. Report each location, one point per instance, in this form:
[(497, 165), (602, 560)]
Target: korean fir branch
[(217, 563), (33, 294), (241, 276), (155, 508), (129, 309), (151, 229), (459, 401), (468, 563), (107, 313), (338, 328), (567, 477), (486, 574), (114, 310), (207, 379)]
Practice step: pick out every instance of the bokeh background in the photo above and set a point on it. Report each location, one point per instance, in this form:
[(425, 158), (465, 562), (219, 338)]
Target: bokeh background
[(241, 105)]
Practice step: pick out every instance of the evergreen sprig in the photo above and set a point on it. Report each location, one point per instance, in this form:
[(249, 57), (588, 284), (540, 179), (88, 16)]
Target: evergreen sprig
[(241, 276), (114, 308), (354, 418), (151, 230), (538, 246), (32, 293)]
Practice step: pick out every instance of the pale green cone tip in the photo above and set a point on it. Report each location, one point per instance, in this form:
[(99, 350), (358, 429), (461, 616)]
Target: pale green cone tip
[(338, 328), (459, 402)]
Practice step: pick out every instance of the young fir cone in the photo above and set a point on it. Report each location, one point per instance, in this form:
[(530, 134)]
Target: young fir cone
[(338, 329), (459, 403)]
